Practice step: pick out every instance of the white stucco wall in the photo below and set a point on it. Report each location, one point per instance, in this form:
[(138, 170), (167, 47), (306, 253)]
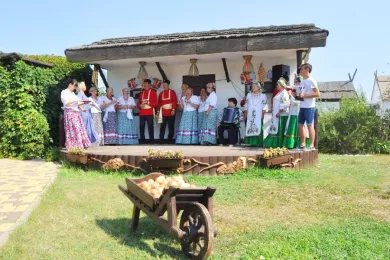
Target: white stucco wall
[(117, 78), (385, 106), (376, 95), (326, 106), (376, 99)]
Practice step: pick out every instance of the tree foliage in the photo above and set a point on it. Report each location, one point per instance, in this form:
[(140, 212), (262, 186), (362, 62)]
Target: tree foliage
[(353, 128)]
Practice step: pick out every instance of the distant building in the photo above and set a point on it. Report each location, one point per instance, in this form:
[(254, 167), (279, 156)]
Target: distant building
[(332, 92), (380, 97)]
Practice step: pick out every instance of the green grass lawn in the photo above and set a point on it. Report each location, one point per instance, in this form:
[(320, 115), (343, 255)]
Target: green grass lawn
[(340, 210)]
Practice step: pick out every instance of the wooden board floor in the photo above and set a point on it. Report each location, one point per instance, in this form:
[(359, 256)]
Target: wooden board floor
[(188, 150), (134, 155)]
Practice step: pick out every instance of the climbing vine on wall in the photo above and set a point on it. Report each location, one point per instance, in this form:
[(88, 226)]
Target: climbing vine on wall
[(61, 70)]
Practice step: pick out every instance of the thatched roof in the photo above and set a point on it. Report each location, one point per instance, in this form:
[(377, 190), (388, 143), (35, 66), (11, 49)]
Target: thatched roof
[(384, 86), (335, 90), (214, 41), (13, 56)]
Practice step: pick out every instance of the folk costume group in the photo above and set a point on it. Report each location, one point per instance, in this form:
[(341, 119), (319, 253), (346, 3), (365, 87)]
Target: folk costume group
[(190, 119)]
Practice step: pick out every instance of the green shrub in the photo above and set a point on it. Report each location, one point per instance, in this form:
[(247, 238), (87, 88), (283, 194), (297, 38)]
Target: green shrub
[(354, 128), (23, 127), (53, 154), (25, 134)]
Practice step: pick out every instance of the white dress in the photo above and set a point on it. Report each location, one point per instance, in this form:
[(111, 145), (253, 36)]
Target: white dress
[(255, 104)]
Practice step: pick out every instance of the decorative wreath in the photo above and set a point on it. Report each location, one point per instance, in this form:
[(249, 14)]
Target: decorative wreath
[(133, 83), (212, 84), (247, 78)]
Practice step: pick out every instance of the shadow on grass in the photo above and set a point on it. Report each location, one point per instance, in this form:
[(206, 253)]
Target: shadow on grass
[(147, 230)]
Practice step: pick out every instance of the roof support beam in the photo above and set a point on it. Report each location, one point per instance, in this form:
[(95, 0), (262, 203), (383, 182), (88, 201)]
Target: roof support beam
[(299, 58), (102, 75), (163, 75), (225, 69)]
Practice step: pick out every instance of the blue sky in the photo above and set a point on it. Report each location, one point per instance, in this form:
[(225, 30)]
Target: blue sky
[(359, 32)]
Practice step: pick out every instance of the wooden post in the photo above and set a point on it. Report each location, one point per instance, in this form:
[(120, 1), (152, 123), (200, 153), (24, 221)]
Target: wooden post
[(299, 58), (172, 213), (163, 75), (135, 220), (225, 69), (102, 75)]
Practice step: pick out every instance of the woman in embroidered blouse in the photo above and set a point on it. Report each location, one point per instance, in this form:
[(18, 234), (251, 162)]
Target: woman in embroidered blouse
[(127, 130), (188, 128), (86, 113), (96, 112), (280, 105), (110, 126), (201, 110), (75, 133), (255, 107), (209, 128)]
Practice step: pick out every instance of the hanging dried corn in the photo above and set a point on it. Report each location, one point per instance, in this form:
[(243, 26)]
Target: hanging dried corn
[(95, 76), (261, 74)]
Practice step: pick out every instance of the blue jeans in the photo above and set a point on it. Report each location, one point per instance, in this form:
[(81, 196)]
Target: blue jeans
[(306, 115)]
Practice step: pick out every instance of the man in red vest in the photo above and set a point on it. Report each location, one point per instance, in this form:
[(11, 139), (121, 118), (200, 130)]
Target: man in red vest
[(167, 102), (147, 103)]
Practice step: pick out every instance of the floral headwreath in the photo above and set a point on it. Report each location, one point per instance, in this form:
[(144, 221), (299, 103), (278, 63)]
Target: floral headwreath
[(133, 83), (212, 84), (282, 82), (256, 82)]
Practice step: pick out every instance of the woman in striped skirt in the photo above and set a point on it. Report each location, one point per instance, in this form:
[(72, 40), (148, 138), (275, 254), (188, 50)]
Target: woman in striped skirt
[(201, 110), (86, 114), (209, 129), (127, 130), (188, 128), (96, 103), (179, 111), (110, 126)]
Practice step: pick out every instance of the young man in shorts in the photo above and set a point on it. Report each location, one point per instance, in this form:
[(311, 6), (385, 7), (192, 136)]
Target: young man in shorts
[(308, 92)]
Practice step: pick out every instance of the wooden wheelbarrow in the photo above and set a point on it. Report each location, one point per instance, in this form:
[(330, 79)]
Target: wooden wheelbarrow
[(196, 230)]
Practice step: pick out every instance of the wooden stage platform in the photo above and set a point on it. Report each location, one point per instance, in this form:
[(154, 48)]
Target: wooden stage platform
[(134, 155)]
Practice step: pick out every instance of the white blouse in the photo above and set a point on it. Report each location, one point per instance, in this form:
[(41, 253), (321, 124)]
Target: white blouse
[(211, 100), (110, 108), (254, 100), (202, 106), (68, 96), (129, 102), (187, 106), (98, 102), (281, 101)]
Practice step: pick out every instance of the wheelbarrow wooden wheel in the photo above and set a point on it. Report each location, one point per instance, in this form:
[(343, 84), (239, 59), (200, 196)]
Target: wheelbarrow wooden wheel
[(198, 228)]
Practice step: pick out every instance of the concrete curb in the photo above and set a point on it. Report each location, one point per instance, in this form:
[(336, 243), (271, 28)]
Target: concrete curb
[(26, 214)]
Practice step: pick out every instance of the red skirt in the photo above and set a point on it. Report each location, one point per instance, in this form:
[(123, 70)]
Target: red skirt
[(75, 132)]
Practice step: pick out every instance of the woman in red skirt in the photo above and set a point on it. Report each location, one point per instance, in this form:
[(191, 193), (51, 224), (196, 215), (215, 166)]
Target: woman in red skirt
[(75, 133)]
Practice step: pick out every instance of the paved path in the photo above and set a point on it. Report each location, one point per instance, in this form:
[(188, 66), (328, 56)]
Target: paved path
[(21, 185)]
